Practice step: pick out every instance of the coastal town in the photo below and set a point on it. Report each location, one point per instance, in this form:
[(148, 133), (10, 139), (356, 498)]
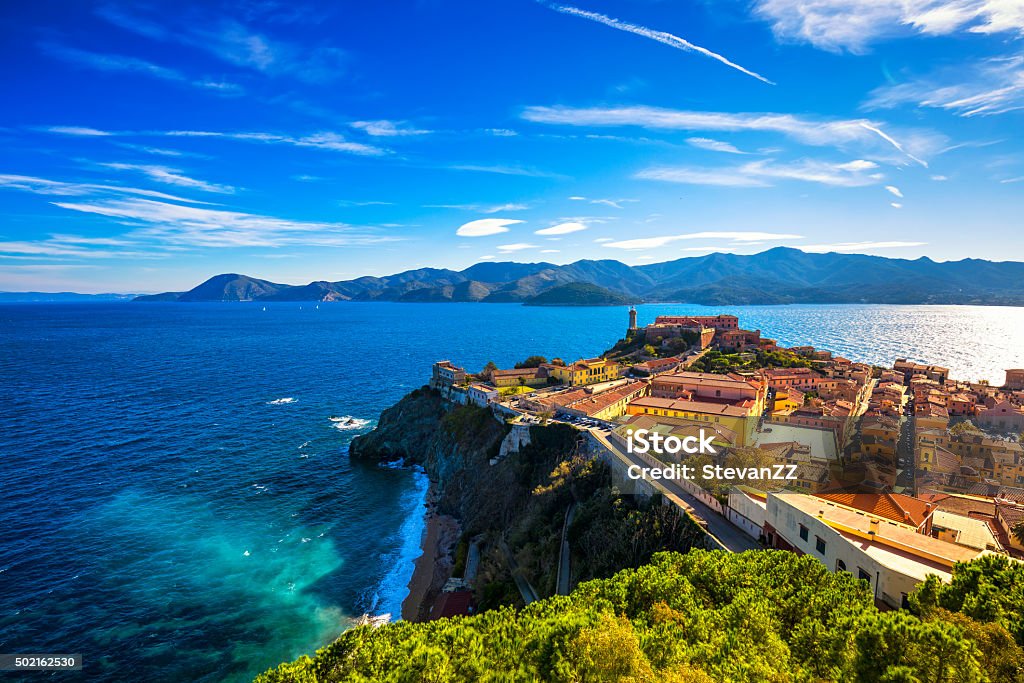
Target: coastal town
[(898, 472)]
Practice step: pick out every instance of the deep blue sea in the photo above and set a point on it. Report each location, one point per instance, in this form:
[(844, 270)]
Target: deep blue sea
[(176, 503)]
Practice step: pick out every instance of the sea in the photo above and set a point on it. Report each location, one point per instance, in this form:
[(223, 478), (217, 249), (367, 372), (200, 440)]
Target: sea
[(176, 498)]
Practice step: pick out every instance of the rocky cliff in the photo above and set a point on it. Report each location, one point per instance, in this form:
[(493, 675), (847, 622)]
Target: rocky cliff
[(522, 499)]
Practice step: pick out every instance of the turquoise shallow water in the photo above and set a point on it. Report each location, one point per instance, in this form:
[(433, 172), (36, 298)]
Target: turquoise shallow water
[(169, 514)]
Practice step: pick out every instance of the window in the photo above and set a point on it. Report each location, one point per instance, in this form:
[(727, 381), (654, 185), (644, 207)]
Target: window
[(819, 544), (803, 532), (863, 575), (840, 566)]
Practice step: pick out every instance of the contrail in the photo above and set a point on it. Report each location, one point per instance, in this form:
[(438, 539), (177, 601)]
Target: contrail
[(881, 134), (660, 36)]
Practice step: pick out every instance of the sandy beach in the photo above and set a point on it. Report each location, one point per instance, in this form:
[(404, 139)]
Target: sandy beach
[(434, 566)]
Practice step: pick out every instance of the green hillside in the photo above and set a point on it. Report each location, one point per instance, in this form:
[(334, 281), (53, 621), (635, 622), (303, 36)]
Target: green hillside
[(577, 294), (706, 616)]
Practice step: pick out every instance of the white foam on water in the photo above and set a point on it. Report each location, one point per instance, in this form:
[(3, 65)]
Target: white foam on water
[(347, 423), (281, 401), (394, 587)]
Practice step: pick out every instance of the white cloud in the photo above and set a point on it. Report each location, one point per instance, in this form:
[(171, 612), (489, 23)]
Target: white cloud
[(760, 173), (124, 64), (856, 246), (939, 178), (714, 145), (192, 226), (485, 227), (324, 140), (502, 169), (896, 205), (662, 240), (550, 251), (488, 257), (600, 240), (76, 130), (841, 133), (853, 25), (171, 176), (385, 128), (577, 198), (65, 189), (660, 36), (614, 203), (984, 88), (481, 208), (235, 43), (895, 191), (517, 246), (1012, 180), (562, 229)]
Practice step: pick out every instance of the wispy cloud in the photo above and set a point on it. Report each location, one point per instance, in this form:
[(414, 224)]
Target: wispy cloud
[(485, 227), (171, 176), (385, 128), (761, 173), (562, 229), (124, 64), (662, 240), (192, 226), (80, 131), (981, 88), (852, 25), (841, 133), (480, 208), (896, 205), (235, 43), (614, 203), (714, 145), (328, 140), (893, 190), (60, 188), (660, 36), (502, 169), (363, 202), (323, 140), (856, 246)]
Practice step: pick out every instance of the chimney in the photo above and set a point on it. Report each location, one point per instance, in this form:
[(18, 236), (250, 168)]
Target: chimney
[(873, 528)]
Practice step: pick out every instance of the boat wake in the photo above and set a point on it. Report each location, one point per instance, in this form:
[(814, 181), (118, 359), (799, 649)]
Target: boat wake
[(281, 401)]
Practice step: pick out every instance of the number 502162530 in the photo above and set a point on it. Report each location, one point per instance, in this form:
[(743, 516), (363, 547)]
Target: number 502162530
[(40, 662)]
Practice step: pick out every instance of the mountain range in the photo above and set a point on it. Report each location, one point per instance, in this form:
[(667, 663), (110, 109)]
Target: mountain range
[(776, 276)]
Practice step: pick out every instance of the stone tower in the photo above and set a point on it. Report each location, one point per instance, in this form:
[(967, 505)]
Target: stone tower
[(632, 318)]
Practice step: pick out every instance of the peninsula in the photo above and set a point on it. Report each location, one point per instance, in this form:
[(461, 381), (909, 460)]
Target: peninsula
[(904, 509)]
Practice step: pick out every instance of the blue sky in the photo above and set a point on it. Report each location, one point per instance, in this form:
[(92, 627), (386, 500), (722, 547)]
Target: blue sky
[(148, 146)]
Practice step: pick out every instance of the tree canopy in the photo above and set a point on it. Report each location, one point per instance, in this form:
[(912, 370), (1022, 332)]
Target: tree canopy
[(703, 616)]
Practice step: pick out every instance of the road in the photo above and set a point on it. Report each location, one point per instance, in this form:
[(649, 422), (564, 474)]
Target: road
[(723, 532), (525, 589), (562, 585)]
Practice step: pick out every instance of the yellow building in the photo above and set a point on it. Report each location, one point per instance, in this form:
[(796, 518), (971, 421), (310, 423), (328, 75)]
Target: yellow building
[(738, 419), (587, 371), (787, 399)]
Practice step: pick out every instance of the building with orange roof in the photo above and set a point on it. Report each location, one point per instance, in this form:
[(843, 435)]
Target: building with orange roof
[(911, 512)]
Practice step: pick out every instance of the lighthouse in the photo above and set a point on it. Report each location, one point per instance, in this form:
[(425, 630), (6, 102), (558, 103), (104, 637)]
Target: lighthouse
[(632, 319)]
